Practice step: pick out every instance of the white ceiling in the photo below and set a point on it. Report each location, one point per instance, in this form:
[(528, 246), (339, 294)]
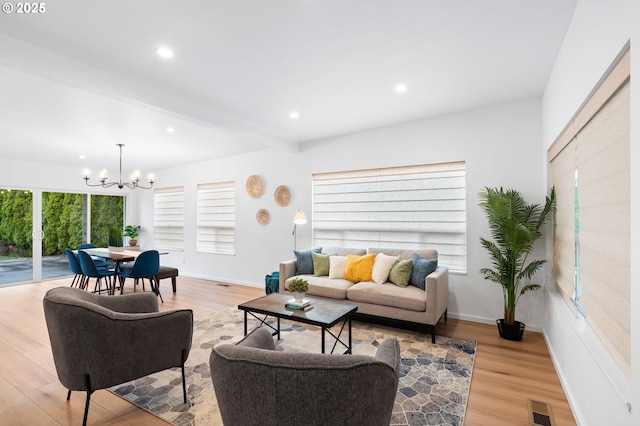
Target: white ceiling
[(84, 75)]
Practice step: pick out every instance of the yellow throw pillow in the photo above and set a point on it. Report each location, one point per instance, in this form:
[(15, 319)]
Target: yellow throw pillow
[(359, 267)]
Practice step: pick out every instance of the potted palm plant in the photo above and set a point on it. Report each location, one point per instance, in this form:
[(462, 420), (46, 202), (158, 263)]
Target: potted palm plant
[(515, 227)]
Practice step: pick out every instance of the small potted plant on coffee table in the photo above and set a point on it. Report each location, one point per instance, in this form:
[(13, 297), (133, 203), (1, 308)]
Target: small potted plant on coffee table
[(298, 286)]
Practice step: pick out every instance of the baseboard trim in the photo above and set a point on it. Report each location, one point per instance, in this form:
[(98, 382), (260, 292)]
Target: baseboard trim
[(223, 280), (489, 321)]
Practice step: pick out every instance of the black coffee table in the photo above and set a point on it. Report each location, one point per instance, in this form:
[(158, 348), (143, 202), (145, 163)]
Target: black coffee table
[(324, 314)]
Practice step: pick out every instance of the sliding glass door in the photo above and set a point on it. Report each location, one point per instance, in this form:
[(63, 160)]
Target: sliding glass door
[(36, 227), (64, 221), (69, 220), (16, 236)]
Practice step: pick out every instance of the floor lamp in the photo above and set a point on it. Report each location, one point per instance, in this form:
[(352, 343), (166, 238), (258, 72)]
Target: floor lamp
[(299, 219)]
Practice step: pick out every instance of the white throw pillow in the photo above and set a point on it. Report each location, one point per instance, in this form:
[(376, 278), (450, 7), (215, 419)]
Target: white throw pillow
[(337, 265), (382, 267)]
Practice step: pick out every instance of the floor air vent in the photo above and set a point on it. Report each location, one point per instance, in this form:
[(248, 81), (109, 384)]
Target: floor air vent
[(540, 413)]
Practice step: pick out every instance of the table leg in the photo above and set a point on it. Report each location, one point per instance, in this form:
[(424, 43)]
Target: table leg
[(350, 334), (245, 323), (116, 278), (278, 332), (322, 339)]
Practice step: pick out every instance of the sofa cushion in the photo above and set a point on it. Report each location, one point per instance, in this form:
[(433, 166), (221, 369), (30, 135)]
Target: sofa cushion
[(401, 273), (304, 261), (325, 287), (359, 267), (421, 268), (337, 265), (320, 264), (404, 253), (382, 267), (343, 251), (409, 298)]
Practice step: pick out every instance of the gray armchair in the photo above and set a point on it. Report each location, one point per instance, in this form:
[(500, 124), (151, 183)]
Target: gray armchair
[(257, 385), (100, 341)]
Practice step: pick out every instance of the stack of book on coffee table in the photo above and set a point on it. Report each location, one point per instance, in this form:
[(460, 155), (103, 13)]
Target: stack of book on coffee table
[(303, 305)]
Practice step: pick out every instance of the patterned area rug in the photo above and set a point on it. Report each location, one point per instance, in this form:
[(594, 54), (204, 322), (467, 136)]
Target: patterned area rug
[(434, 379)]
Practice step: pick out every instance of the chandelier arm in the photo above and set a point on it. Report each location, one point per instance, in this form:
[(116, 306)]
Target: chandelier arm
[(145, 187), (86, 180)]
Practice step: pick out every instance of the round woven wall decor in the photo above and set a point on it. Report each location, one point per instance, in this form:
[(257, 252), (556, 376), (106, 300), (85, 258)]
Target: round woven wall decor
[(255, 186), (282, 195), (262, 216)]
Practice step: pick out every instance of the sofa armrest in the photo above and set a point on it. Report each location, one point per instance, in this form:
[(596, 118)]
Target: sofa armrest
[(287, 270), (437, 289)]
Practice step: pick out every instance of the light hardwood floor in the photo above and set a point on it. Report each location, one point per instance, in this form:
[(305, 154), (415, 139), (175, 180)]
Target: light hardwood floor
[(506, 374)]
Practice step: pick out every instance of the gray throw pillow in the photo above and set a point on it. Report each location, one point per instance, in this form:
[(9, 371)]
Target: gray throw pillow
[(304, 260), (421, 268)]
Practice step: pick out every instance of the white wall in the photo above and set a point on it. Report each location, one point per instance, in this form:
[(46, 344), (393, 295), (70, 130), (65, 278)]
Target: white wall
[(596, 387), (501, 146)]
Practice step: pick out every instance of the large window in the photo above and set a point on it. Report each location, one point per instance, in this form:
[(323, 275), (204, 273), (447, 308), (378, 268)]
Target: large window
[(590, 164), (217, 217), (168, 218), (400, 207)]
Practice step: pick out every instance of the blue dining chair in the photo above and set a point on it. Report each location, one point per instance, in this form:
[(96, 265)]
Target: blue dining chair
[(147, 265), (74, 265), (100, 263), (90, 270)]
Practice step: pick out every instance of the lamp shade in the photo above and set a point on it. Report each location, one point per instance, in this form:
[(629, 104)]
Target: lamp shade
[(300, 218)]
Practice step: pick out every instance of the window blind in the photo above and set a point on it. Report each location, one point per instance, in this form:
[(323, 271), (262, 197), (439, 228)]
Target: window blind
[(216, 217), (416, 207), (604, 197), (168, 218), (563, 170), (597, 210)]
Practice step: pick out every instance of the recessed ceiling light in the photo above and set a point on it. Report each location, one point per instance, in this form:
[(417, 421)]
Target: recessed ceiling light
[(170, 130), (294, 115), (164, 52), (401, 88), (82, 156)]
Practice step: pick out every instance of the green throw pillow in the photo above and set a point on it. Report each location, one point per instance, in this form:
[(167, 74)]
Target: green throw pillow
[(320, 264), (304, 261), (401, 273)]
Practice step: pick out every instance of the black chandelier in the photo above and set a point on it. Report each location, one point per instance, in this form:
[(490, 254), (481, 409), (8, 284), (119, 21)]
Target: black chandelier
[(135, 178)]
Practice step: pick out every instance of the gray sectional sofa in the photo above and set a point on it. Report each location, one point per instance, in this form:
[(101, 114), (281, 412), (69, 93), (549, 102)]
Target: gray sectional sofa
[(393, 298)]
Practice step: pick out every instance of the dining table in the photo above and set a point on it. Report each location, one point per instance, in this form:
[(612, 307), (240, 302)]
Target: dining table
[(116, 256)]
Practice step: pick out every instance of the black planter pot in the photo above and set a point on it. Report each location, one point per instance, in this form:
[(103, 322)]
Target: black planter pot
[(509, 331)]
